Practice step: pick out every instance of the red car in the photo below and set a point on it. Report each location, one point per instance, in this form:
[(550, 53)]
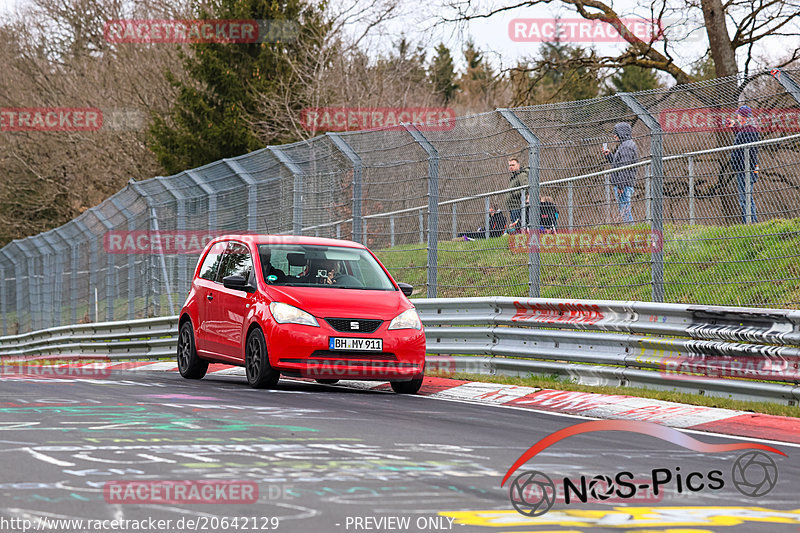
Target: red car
[(300, 306)]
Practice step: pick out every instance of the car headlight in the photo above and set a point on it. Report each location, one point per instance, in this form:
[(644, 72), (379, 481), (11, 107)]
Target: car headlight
[(408, 319), (289, 314)]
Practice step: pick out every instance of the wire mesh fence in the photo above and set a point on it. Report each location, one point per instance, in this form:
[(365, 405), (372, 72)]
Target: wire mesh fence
[(709, 173)]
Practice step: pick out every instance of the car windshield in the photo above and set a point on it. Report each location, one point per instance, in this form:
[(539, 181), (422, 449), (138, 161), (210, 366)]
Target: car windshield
[(292, 265)]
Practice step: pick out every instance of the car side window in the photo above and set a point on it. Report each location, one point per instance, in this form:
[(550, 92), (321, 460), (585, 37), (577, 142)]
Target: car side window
[(211, 262), (236, 262)]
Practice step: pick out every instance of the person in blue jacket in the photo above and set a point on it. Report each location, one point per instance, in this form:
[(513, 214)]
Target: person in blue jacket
[(623, 181)]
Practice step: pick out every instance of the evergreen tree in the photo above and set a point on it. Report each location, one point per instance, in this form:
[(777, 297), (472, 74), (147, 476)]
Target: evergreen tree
[(477, 81), (216, 107), (564, 74), (633, 78), (442, 74)]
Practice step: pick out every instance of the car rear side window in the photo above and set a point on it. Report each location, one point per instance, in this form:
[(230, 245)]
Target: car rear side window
[(211, 262), (237, 262)]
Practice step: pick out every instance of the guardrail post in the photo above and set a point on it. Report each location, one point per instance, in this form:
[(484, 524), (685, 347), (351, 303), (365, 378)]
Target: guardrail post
[(131, 259), (210, 194), (252, 192), (355, 159), (297, 188), (73, 276), (148, 200), (657, 190), (180, 225), (691, 191), (93, 252), (110, 269), (534, 260), (433, 207)]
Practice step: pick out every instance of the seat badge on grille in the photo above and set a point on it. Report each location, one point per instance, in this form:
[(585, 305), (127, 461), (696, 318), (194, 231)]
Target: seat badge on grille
[(354, 325)]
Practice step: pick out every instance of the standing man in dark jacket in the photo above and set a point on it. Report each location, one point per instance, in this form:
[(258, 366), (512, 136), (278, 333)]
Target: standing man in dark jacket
[(518, 178), (746, 129), (623, 181)]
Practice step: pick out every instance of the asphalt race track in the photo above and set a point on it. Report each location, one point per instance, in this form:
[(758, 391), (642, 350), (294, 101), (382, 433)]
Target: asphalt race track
[(309, 457)]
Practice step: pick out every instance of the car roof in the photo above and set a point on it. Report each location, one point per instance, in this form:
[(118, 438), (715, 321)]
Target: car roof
[(287, 239)]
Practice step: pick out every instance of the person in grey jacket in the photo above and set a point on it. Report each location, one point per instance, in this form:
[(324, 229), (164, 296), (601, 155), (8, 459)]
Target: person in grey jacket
[(519, 177), (623, 181)]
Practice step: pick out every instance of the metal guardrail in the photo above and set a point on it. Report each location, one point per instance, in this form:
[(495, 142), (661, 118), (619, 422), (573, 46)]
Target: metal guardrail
[(718, 351)]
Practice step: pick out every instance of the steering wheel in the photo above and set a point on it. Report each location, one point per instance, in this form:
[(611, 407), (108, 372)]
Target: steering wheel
[(346, 280)]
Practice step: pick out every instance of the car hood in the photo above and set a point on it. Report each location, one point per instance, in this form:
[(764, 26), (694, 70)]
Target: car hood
[(342, 303)]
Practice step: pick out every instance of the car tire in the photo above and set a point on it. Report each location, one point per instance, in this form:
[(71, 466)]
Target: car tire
[(327, 381), (189, 364), (407, 387), (260, 375)]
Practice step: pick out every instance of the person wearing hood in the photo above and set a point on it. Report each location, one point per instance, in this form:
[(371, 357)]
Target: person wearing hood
[(624, 180), (746, 129)]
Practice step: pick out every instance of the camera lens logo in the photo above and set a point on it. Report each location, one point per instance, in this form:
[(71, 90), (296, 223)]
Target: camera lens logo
[(532, 493), (754, 474)]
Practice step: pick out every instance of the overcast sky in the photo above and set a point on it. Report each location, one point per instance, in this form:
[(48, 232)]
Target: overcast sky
[(492, 35)]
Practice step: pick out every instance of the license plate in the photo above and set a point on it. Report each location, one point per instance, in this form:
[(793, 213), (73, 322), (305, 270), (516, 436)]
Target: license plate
[(356, 344)]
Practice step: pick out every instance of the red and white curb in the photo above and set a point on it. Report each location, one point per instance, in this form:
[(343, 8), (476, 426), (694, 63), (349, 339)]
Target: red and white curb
[(607, 406)]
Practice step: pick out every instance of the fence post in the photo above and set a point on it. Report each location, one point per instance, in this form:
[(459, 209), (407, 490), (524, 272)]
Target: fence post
[(358, 200), (534, 260), (46, 282), (648, 196), (657, 190), (180, 225), (3, 294), (607, 181), (748, 188), (691, 191), (210, 194), (3, 299), (421, 226), (391, 230), (33, 284), (570, 205), (788, 83), (92, 241), (131, 259), (57, 276), (110, 270), (73, 277), (252, 192), (433, 207), (297, 188), (486, 219), (455, 231), (148, 200)]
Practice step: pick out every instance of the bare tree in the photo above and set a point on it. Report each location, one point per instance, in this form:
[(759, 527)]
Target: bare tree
[(732, 28)]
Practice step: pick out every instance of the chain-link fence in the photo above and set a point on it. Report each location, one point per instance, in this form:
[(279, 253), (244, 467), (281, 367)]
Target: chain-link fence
[(421, 199)]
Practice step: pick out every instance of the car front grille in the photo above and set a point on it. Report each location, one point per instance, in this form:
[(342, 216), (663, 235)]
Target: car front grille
[(365, 325)]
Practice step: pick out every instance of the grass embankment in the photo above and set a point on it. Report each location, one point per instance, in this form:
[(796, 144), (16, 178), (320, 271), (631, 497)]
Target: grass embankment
[(754, 265)]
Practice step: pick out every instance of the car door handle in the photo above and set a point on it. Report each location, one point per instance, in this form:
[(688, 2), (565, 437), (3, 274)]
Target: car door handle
[(210, 297)]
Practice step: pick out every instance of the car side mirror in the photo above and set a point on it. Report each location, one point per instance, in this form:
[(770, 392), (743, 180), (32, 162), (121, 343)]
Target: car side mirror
[(407, 289), (238, 283)]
